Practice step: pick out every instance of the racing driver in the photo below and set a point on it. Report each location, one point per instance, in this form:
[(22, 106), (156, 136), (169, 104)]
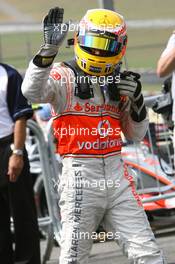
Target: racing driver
[(89, 115)]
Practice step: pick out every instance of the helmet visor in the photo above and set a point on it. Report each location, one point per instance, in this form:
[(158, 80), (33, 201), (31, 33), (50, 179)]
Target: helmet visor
[(106, 42)]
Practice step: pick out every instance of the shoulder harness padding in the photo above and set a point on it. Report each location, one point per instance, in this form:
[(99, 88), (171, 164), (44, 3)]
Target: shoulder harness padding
[(83, 85)]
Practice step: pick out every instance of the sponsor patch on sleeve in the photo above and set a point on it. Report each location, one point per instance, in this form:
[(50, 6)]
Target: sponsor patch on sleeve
[(54, 73)]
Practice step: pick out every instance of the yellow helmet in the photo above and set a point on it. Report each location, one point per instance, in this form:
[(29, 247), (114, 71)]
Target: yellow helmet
[(100, 41)]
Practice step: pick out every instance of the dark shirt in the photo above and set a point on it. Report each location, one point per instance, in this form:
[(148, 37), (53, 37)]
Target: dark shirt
[(17, 104)]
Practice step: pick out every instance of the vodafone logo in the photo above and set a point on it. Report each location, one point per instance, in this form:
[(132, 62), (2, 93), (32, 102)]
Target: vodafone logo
[(100, 145), (103, 128)]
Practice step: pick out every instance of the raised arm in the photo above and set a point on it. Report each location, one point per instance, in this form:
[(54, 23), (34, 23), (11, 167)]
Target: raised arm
[(38, 86)]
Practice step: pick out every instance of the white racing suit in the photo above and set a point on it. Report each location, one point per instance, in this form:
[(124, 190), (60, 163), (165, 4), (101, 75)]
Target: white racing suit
[(96, 186)]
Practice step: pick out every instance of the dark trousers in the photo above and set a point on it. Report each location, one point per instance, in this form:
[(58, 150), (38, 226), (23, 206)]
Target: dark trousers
[(17, 200)]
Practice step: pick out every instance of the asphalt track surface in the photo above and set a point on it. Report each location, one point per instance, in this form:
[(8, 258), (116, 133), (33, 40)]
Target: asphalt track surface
[(109, 252)]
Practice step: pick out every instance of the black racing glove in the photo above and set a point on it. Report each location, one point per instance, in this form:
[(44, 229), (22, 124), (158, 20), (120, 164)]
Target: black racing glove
[(54, 33), (130, 86)]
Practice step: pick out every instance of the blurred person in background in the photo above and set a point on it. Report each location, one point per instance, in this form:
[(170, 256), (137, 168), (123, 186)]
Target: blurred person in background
[(166, 68), (166, 62), (16, 191), (104, 109)]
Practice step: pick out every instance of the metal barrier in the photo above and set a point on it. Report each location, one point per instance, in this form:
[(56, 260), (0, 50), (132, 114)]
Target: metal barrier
[(49, 172)]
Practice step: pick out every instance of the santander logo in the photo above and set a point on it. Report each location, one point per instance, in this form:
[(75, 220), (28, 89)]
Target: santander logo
[(90, 108), (78, 107)]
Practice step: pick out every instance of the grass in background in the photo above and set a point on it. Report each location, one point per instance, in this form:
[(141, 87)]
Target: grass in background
[(26, 45), (38, 8), (144, 47), (151, 89), (146, 9), (131, 9)]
